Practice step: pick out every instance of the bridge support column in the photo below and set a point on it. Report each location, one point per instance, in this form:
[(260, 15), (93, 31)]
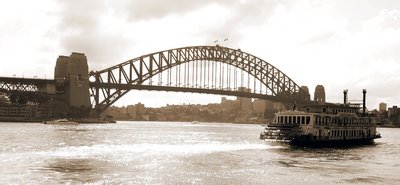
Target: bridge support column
[(74, 69)]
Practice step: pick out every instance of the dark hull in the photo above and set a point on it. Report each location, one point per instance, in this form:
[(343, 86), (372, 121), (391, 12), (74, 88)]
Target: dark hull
[(310, 142), (332, 143)]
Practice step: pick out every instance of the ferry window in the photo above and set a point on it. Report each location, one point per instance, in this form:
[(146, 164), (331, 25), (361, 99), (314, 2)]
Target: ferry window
[(290, 119), (308, 120), (298, 119), (286, 119), (303, 120)]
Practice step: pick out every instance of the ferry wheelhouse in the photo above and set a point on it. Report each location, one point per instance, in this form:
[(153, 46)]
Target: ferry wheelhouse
[(323, 123)]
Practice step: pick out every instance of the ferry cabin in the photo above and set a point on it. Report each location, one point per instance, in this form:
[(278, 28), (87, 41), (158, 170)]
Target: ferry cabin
[(322, 126)]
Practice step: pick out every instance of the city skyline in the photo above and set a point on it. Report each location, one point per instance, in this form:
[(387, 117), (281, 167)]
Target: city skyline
[(324, 42)]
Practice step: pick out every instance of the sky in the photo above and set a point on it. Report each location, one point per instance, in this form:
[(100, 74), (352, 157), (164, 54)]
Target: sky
[(341, 44)]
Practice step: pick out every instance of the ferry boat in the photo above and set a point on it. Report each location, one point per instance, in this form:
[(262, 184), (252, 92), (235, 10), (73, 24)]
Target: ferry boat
[(323, 124)]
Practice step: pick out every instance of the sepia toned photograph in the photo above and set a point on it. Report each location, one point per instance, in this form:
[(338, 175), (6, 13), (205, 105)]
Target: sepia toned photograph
[(200, 92)]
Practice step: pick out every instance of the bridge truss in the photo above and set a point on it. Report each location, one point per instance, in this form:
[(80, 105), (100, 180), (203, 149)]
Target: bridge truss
[(198, 69), (8, 84)]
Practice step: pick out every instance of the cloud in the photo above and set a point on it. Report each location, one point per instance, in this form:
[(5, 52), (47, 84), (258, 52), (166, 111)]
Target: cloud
[(239, 16), (106, 30), (83, 27), (137, 10)]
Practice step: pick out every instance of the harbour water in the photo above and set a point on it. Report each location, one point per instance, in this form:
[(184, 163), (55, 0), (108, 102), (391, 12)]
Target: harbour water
[(184, 153)]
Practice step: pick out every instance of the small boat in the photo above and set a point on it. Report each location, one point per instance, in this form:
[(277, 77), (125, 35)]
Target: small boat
[(61, 122)]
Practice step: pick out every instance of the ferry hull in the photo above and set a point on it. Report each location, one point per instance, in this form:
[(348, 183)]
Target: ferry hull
[(331, 143)]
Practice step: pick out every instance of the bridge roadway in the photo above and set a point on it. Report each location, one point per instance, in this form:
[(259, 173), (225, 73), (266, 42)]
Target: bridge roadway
[(26, 80), (39, 85), (226, 92), (24, 84)]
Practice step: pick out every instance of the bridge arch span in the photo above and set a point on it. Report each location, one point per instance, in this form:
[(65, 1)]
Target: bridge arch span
[(108, 85)]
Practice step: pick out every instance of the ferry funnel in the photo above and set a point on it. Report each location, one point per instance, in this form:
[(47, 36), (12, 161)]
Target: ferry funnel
[(345, 96), (364, 99)]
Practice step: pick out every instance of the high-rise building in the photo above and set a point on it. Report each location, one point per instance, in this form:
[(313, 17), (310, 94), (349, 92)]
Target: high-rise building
[(223, 99), (140, 108), (394, 114), (382, 107)]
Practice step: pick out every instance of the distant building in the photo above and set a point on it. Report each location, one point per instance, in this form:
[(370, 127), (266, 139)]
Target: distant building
[(245, 103), (259, 106), (394, 114), (230, 105), (223, 99), (12, 112), (319, 94), (382, 107), (131, 111), (140, 109)]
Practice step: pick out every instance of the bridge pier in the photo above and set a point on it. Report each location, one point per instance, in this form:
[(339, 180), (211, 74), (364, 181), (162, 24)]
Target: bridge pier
[(74, 69)]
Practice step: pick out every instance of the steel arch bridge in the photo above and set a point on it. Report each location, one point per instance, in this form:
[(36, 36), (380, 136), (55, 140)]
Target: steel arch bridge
[(197, 69)]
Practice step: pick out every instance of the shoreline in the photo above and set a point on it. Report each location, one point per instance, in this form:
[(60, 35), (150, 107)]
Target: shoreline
[(100, 121)]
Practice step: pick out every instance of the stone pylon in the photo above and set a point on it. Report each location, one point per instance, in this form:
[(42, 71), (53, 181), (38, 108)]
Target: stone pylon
[(319, 94), (74, 69)]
